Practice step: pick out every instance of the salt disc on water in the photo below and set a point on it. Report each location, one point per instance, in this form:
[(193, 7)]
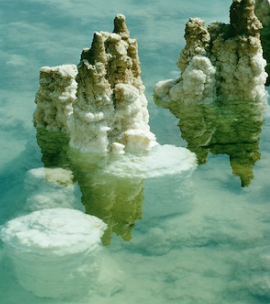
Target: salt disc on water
[(53, 232), (162, 160)]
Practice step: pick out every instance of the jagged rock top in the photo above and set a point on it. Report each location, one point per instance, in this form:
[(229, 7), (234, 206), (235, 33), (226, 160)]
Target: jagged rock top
[(243, 20), (223, 61), (110, 112), (120, 26)]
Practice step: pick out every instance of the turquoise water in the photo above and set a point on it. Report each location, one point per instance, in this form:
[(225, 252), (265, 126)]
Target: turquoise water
[(197, 237)]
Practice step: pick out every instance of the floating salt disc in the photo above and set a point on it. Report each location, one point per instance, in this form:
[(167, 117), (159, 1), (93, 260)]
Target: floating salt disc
[(165, 167), (54, 251), (162, 160)]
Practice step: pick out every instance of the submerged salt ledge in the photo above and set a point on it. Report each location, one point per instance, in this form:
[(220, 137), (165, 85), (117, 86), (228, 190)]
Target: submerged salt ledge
[(162, 160), (223, 61), (50, 188)]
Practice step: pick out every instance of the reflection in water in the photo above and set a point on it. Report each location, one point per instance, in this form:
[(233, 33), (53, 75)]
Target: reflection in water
[(53, 145), (231, 128), (114, 198), (112, 186)]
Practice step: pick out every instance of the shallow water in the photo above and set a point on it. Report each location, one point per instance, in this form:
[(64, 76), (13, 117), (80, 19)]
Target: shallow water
[(194, 237)]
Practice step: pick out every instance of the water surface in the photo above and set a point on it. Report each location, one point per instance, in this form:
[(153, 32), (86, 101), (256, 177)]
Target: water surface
[(197, 237)]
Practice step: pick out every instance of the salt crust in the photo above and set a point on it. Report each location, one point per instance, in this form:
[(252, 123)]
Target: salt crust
[(53, 232), (50, 188), (223, 61), (161, 161), (54, 252), (101, 103), (54, 98)]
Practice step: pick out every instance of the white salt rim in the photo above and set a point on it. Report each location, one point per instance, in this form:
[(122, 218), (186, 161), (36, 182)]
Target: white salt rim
[(161, 160), (53, 232), (57, 176)]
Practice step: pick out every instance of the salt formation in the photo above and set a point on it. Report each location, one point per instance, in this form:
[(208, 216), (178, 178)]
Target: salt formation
[(164, 160), (54, 98), (107, 111), (55, 252), (262, 10), (223, 128), (50, 188), (110, 112), (223, 61), (113, 188)]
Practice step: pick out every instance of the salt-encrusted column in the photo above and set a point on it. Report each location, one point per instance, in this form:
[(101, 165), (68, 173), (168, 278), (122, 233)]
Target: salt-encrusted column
[(197, 81), (110, 112), (54, 98), (237, 55), (223, 62)]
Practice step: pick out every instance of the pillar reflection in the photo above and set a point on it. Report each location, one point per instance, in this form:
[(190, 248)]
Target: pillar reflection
[(231, 128), (113, 197)]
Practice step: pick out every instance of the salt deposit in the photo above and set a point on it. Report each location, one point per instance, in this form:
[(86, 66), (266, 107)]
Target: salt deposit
[(113, 188), (163, 160), (54, 251), (262, 10), (110, 112), (50, 188), (54, 98), (105, 108), (223, 61)]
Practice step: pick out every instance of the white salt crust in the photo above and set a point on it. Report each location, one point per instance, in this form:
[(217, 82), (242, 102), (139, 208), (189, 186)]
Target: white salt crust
[(54, 252)]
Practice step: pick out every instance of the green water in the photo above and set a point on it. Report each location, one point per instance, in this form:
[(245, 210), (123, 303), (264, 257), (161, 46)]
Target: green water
[(197, 237)]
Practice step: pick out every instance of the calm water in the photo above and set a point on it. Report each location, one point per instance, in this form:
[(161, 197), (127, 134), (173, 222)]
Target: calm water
[(197, 237)]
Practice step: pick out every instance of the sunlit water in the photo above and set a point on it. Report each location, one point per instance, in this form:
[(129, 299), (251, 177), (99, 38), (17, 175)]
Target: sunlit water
[(194, 237)]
